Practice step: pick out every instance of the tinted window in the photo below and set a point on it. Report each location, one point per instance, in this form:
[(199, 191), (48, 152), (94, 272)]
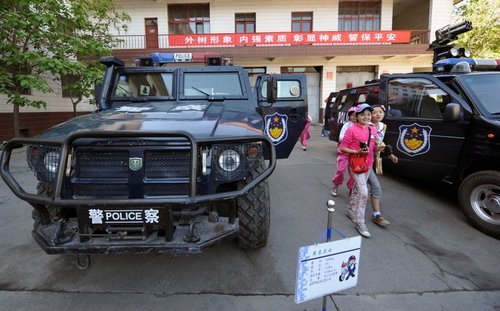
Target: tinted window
[(483, 87), (198, 84), (143, 84), (416, 98), (286, 89)]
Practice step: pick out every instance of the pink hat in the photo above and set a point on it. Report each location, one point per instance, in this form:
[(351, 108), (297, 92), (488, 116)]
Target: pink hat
[(362, 107)]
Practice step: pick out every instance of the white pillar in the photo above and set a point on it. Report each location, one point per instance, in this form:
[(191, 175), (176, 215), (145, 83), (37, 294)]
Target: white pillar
[(440, 13)]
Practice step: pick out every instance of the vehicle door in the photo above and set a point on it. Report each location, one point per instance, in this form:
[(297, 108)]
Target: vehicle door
[(346, 99), (339, 113), (426, 145), (284, 119)]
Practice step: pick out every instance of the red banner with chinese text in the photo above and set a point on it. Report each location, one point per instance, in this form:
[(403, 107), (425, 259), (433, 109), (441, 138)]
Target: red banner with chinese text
[(290, 38)]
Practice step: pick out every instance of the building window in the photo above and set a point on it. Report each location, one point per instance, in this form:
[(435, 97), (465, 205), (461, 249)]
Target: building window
[(67, 80), (302, 21), (186, 19), (359, 15), (244, 22)]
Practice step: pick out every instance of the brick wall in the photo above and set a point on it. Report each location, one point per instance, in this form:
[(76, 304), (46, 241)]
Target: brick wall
[(32, 123)]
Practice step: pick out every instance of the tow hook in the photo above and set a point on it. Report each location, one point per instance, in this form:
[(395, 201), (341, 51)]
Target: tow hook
[(83, 262), (191, 237)]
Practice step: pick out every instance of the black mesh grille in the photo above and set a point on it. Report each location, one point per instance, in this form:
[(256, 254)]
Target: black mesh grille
[(101, 165), (85, 191), (164, 170), (167, 164), (158, 190)]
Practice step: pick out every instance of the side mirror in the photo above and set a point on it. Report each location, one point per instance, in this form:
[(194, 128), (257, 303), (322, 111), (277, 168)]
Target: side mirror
[(452, 113), (272, 89), (97, 93)]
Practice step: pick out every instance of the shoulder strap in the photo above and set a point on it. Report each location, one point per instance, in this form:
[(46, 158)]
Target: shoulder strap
[(369, 135), (384, 128)]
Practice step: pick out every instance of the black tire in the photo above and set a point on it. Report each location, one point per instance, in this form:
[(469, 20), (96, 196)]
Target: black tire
[(254, 213), (479, 198)]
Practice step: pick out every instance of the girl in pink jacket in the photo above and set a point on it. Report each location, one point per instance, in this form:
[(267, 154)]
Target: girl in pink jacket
[(360, 139)]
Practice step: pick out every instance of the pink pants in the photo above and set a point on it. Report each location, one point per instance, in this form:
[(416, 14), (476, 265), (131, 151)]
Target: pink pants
[(359, 196), (305, 135), (342, 164)]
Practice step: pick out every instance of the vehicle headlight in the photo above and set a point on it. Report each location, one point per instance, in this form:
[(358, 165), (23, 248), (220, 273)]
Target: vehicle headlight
[(466, 53), (51, 161), (229, 160), (44, 161)]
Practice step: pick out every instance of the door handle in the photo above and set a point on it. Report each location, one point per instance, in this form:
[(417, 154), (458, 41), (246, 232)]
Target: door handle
[(293, 115)]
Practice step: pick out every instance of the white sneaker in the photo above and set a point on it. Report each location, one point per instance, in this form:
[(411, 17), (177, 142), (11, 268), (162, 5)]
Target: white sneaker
[(350, 214), (335, 189), (363, 230)]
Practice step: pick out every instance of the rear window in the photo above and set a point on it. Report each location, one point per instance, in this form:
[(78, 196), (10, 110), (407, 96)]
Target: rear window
[(353, 97)]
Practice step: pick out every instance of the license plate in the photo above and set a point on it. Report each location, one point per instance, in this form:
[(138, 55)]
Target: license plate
[(183, 57), (124, 216)]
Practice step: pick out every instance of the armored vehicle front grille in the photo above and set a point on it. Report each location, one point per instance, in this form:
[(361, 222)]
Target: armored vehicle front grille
[(87, 191), (159, 190), (97, 164), (167, 164), (129, 172)]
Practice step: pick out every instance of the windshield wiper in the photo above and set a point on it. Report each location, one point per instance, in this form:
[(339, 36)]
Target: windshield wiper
[(122, 88), (203, 92)]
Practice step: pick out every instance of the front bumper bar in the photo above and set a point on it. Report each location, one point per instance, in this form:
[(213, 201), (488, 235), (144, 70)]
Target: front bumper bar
[(207, 232), (193, 198)]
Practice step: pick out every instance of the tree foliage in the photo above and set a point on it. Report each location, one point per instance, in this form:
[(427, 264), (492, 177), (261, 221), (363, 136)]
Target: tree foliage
[(484, 39), (43, 40)]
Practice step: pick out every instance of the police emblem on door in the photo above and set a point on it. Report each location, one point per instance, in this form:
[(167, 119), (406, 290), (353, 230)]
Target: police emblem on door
[(135, 164), (276, 127), (414, 139)]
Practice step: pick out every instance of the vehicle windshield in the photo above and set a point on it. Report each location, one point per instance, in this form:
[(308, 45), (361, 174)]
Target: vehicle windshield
[(485, 87), (204, 84), (143, 84)]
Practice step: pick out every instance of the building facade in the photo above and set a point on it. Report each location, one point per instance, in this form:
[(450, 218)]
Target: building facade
[(336, 43)]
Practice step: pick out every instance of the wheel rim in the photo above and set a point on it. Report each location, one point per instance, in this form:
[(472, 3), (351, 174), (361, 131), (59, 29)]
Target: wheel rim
[(485, 202)]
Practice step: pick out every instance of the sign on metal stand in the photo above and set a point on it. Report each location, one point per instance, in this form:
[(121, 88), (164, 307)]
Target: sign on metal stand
[(326, 268)]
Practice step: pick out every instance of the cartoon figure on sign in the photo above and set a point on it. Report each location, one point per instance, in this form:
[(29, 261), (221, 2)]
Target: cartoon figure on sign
[(276, 127), (414, 139), (344, 271), (351, 267)]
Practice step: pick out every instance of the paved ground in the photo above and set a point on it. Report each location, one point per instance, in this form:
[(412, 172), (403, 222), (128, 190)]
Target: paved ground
[(428, 259)]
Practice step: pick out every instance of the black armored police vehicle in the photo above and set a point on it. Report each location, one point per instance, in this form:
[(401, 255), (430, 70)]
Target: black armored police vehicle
[(174, 159), (443, 125)]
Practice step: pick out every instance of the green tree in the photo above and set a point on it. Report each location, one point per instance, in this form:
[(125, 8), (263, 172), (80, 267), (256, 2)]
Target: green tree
[(484, 39), (42, 40)]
